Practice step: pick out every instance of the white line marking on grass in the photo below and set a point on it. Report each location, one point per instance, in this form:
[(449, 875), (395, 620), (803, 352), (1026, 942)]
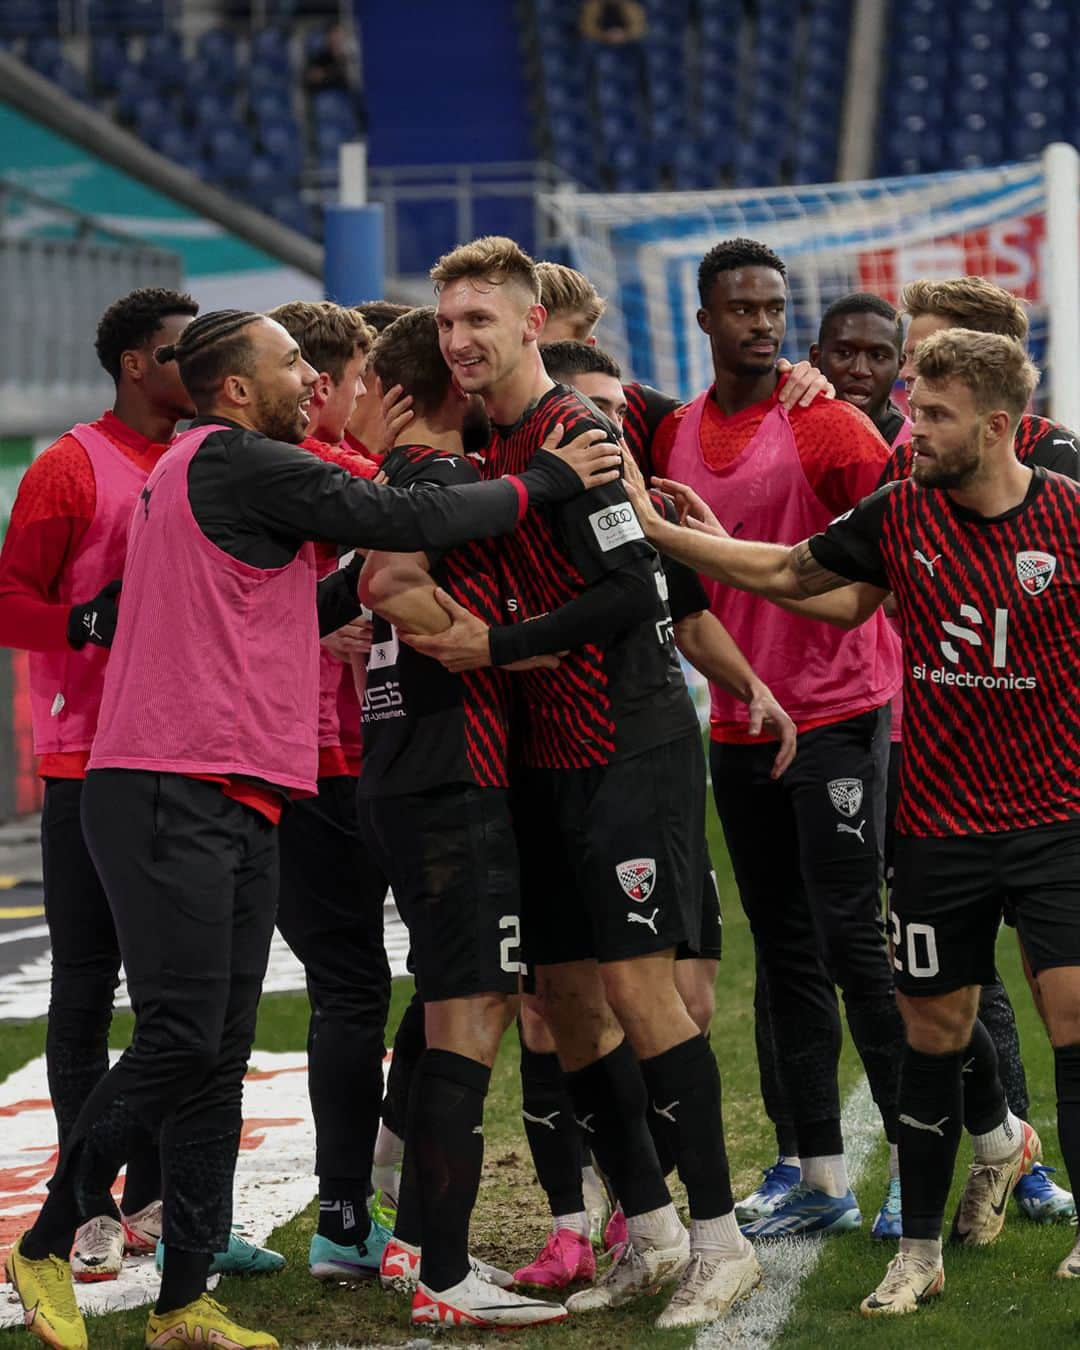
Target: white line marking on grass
[(788, 1263)]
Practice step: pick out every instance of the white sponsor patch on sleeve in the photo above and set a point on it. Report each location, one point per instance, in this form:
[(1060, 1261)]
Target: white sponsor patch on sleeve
[(614, 525)]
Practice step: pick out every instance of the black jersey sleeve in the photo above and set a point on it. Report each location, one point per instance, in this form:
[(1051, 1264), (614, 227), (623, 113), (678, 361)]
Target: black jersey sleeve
[(422, 467), (1057, 449), (686, 594), (646, 408), (851, 545)]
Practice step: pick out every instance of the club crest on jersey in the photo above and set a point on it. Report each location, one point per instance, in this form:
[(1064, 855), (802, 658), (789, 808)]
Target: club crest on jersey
[(1035, 570), (637, 877), (846, 794)]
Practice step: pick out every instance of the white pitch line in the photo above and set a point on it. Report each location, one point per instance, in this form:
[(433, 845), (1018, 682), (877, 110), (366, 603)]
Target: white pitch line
[(790, 1262)]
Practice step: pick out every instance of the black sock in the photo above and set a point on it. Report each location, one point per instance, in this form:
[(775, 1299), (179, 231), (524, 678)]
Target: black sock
[(183, 1278), (343, 1214), (684, 1096), (1067, 1077), (610, 1103), (931, 1111), (447, 1142), (984, 1097), (142, 1180), (553, 1134), (409, 1045), (997, 1016)]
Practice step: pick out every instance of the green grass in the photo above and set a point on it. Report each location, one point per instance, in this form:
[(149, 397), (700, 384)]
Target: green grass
[(992, 1299)]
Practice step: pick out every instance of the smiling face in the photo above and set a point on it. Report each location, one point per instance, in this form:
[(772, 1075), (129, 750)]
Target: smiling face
[(745, 320), (860, 357), (281, 388), (484, 330)]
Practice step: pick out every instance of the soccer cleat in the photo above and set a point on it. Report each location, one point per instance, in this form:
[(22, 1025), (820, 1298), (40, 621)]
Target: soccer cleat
[(383, 1209), (889, 1222), (805, 1211), (362, 1261), (386, 1181), (98, 1253), (474, 1302), (200, 1324), (980, 1216), (1069, 1269), (1042, 1200), (48, 1297), (615, 1234), (239, 1258), (634, 1271), (567, 1256), (776, 1185), (142, 1230), (400, 1268), (709, 1287), (909, 1281)]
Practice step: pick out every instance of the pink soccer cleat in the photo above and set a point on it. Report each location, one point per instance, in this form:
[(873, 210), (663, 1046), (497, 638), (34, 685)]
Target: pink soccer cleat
[(567, 1256)]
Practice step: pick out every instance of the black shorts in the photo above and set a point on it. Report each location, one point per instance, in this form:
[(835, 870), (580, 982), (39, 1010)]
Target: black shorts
[(452, 863), (711, 942), (948, 897), (611, 858)]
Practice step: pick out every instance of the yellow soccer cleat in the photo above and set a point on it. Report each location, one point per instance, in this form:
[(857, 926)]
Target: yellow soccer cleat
[(48, 1297), (203, 1323)]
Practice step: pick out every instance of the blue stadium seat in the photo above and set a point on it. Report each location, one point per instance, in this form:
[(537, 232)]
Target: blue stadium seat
[(973, 149), (1050, 19), (989, 104), (217, 48), (292, 212), (228, 153), (150, 120), (108, 57), (271, 105), (1047, 103), (264, 182), (175, 141), (1054, 62), (29, 18), (131, 88), (163, 57), (270, 45), (991, 65), (334, 105), (125, 16), (45, 55), (284, 148), (210, 108)]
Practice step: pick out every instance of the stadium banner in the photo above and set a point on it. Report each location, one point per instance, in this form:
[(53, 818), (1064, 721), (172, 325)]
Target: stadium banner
[(642, 251), (221, 270)]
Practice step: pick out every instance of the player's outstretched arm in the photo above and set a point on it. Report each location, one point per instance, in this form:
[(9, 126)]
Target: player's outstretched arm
[(849, 607)]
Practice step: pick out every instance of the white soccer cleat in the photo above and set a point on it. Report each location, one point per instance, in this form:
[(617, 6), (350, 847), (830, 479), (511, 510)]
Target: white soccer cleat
[(399, 1269), (475, 1302), (709, 1288), (634, 1271), (1069, 1269), (142, 1230), (98, 1253), (980, 1216), (909, 1281)]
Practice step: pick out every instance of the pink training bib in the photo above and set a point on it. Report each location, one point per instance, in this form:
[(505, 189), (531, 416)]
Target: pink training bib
[(65, 686), (816, 671), (215, 665)]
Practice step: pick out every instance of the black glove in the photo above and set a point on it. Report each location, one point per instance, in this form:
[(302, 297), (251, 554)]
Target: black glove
[(96, 620)]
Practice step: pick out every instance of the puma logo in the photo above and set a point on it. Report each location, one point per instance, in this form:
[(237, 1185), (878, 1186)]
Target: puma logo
[(921, 1125), (666, 1111), (584, 1123), (548, 1120), (856, 830), (928, 563), (634, 917)]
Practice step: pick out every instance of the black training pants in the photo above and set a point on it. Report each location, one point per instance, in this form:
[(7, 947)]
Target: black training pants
[(805, 855), (192, 878), (330, 912)]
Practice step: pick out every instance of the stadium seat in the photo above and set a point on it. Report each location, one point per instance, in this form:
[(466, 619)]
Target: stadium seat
[(108, 57), (163, 58), (45, 55), (131, 88), (217, 48), (151, 117), (210, 108), (228, 153), (292, 212), (334, 105), (125, 16), (282, 145), (270, 46), (29, 18), (973, 149)]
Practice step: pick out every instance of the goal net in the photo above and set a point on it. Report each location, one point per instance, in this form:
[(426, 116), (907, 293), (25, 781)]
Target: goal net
[(642, 251)]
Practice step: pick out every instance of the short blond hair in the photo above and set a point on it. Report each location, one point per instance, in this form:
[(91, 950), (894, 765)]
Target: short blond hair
[(494, 259), (996, 369), (969, 302), (570, 294), (328, 335)]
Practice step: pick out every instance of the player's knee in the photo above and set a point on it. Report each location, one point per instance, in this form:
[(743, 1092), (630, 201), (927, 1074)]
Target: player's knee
[(942, 1024), (535, 1032)]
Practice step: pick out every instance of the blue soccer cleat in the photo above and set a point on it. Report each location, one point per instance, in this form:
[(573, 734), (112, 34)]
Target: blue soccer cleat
[(239, 1258), (804, 1211), (1042, 1200), (887, 1226), (776, 1184), (331, 1261)]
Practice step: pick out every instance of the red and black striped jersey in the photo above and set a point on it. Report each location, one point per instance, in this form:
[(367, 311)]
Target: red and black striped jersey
[(646, 408), (424, 727), (1039, 442), (605, 699), (990, 616)]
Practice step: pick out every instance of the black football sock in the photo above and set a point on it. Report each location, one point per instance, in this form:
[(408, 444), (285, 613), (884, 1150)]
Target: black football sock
[(985, 1106), (142, 1180), (931, 1118), (447, 1141), (343, 1214), (408, 1220), (409, 1045), (183, 1278), (610, 1102), (1067, 1077), (553, 1134), (997, 1016), (684, 1094)]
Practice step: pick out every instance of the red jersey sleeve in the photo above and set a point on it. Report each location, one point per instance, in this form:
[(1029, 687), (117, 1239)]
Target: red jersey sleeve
[(842, 453), (352, 461), (664, 439), (52, 511)]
